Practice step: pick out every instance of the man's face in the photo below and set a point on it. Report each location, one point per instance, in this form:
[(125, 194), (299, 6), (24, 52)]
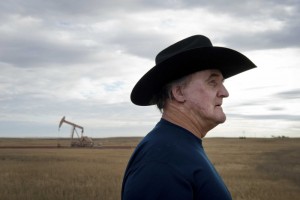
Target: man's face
[(203, 95)]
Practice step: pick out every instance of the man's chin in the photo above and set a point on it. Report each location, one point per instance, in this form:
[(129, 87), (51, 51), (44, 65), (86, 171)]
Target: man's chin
[(222, 119)]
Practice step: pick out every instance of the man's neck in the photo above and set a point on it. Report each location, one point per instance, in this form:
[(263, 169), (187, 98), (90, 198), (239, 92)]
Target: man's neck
[(177, 115)]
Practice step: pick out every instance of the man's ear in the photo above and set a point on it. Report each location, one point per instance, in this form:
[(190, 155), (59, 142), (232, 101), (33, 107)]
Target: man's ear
[(177, 94)]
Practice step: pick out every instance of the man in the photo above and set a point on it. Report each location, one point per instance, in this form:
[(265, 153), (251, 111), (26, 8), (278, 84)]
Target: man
[(187, 86)]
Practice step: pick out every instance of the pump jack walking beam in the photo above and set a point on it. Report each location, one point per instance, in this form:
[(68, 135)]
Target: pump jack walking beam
[(63, 120)]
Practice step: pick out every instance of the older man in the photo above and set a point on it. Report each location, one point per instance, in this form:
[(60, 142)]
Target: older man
[(187, 86)]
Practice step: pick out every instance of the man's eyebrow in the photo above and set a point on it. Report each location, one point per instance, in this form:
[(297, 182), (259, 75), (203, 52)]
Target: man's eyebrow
[(213, 75)]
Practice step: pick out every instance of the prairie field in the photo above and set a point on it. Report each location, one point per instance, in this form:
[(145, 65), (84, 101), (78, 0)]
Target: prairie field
[(253, 169)]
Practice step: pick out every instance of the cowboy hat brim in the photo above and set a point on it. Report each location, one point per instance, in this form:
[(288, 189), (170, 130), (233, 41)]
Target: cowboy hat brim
[(228, 61)]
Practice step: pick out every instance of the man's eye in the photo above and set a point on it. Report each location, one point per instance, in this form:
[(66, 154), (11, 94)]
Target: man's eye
[(213, 83)]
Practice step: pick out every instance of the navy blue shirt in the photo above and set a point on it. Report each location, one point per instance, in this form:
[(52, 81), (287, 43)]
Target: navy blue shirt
[(170, 163)]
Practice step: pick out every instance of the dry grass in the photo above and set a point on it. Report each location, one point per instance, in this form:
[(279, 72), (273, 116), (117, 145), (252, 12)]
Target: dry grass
[(65, 142), (256, 169), (61, 173)]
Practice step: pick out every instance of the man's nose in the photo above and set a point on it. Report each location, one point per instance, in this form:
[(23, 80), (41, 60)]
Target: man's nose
[(223, 92)]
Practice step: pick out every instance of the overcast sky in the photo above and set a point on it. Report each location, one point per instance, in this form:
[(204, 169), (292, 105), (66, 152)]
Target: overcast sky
[(80, 59)]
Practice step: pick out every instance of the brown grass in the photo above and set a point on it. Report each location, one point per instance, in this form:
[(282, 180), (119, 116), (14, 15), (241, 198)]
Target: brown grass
[(256, 169)]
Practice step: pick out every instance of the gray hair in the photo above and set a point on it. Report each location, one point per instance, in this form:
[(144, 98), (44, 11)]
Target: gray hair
[(165, 93)]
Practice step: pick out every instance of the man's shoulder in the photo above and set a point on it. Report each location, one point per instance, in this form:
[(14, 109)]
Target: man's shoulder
[(163, 145), (167, 134)]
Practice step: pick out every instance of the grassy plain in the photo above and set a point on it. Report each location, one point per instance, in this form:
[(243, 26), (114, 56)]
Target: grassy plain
[(256, 169)]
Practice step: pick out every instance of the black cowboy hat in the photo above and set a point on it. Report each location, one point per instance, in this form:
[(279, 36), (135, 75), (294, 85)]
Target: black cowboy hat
[(185, 57)]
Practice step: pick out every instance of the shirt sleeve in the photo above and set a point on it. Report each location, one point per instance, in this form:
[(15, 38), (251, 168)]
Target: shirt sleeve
[(156, 181)]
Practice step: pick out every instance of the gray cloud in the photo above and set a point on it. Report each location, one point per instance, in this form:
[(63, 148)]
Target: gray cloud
[(284, 117), (142, 44), (276, 108), (35, 32), (291, 94), (31, 52), (271, 99)]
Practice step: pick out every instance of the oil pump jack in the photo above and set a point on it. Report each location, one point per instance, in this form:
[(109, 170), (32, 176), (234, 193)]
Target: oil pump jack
[(82, 141)]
